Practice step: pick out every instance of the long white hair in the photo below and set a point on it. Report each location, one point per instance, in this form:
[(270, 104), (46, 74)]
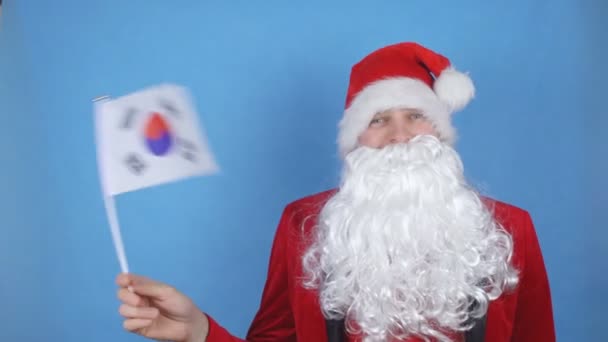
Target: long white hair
[(406, 247)]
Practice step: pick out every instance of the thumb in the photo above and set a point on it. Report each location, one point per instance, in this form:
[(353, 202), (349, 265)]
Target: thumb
[(145, 286), (153, 289)]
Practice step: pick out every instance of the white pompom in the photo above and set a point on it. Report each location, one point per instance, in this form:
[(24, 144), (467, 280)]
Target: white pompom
[(454, 88)]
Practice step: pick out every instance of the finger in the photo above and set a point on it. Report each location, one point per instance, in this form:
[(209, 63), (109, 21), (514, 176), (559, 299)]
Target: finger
[(123, 279), (129, 311), (136, 324), (150, 288), (127, 279), (131, 298), (146, 286)]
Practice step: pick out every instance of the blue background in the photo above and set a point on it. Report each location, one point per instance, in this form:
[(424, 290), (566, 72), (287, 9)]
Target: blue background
[(269, 78)]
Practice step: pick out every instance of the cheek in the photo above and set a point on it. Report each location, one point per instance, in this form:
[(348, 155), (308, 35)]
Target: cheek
[(371, 138), (426, 128)]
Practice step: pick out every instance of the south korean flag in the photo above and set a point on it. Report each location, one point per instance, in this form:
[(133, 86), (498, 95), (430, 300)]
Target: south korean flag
[(148, 138)]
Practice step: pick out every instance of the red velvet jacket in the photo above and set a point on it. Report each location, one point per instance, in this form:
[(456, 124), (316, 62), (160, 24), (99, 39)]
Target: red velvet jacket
[(290, 313)]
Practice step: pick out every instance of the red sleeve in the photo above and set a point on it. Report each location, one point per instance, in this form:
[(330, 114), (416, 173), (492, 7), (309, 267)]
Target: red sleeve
[(274, 319), (217, 333), (534, 312)]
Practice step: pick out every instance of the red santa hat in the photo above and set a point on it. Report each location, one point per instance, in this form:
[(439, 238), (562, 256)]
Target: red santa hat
[(403, 75)]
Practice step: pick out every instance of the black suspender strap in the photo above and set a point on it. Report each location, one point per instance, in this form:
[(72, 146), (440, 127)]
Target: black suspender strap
[(335, 330), (478, 332)]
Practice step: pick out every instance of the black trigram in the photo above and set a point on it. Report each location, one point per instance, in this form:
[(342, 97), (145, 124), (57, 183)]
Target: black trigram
[(127, 120), (188, 149), (135, 164), (169, 107)]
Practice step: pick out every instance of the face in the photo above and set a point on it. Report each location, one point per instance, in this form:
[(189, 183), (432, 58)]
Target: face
[(396, 126)]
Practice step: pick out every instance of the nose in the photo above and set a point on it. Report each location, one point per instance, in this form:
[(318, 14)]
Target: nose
[(400, 134)]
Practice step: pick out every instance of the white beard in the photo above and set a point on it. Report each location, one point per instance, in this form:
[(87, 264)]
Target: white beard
[(406, 246)]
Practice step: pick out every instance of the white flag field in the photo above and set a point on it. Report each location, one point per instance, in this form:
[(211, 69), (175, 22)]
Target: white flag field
[(144, 139)]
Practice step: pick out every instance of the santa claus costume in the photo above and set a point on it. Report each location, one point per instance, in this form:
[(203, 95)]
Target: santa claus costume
[(404, 249)]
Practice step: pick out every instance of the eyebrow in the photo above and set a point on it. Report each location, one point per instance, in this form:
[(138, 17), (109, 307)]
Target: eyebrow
[(381, 114)]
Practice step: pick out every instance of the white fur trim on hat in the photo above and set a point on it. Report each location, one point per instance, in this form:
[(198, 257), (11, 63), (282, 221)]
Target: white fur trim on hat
[(392, 93), (454, 88)]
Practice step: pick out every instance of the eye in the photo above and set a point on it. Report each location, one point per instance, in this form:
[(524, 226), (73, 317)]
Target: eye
[(378, 121), (416, 116)]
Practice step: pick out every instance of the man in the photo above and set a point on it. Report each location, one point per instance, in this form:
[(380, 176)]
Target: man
[(404, 250)]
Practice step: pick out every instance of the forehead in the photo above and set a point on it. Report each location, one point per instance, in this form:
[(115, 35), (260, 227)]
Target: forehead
[(397, 111)]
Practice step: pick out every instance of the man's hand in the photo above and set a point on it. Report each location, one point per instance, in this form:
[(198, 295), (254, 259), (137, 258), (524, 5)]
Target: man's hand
[(159, 311)]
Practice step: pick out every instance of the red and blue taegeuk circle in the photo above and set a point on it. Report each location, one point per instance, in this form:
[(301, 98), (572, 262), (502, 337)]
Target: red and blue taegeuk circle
[(157, 135)]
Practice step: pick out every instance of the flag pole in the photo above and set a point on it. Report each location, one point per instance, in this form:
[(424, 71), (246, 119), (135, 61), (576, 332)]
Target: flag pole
[(110, 206), (116, 236)]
